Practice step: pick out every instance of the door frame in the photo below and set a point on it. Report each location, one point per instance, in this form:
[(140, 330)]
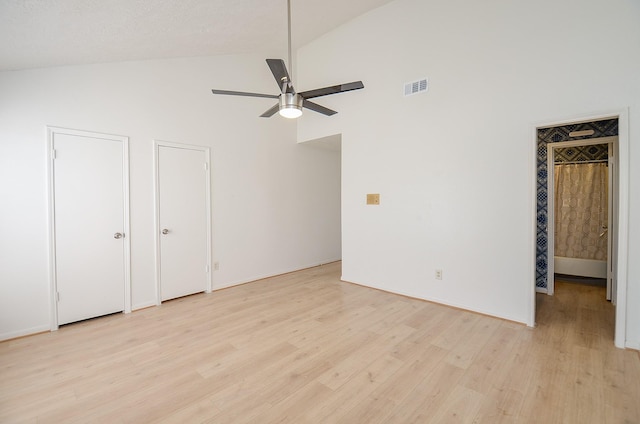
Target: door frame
[(53, 284), (156, 185), (551, 201), (623, 215)]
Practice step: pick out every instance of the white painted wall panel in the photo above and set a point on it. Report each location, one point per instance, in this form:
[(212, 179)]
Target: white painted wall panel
[(271, 197), (454, 166)]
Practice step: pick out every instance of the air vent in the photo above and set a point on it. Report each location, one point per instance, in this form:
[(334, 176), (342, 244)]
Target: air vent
[(415, 87)]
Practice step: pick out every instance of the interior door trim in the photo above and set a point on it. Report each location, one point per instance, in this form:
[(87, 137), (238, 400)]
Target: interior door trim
[(53, 285), (156, 182)]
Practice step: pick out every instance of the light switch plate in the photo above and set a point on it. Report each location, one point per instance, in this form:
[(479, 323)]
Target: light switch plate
[(373, 199)]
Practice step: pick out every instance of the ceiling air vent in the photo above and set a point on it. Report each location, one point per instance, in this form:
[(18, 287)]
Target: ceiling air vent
[(415, 87)]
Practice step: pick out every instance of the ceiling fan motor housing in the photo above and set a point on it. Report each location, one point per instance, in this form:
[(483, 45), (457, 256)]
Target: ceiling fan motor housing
[(291, 102)]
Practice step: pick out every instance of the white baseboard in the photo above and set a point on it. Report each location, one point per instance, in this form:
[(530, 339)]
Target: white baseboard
[(143, 305), (271, 274), (442, 302), (632, 345), (25, 332)]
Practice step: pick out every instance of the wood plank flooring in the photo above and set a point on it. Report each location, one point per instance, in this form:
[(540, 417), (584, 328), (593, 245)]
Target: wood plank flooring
[(307, 348)]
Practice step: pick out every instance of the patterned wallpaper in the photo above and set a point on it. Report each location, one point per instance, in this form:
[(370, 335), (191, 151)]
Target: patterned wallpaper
[(604, 128), (581, 153)]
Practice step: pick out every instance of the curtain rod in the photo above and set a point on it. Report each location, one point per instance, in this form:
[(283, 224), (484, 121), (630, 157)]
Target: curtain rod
[(581, 161)]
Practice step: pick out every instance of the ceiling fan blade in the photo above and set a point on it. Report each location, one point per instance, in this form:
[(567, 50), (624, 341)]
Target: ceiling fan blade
[(271, 111), (243, 93), (279, 71), (334, 89), (317, 108)]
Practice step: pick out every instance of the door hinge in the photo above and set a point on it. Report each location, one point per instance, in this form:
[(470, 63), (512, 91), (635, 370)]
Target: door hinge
[(206, 268), (206, 166), (58, 296), (53, 153)]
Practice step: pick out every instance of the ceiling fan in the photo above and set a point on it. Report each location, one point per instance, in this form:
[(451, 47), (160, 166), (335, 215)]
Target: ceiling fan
[(290, 102)]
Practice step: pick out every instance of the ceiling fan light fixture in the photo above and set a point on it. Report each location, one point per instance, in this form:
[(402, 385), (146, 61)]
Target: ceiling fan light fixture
[(290, 112), (290, 105)]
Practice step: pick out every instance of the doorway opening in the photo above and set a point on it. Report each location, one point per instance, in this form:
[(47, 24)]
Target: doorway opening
[(582, 205), (328, 150), (581, 135)]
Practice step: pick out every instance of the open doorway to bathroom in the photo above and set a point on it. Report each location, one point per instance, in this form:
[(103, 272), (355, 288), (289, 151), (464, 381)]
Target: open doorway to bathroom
[(589, 250), (582, 205)]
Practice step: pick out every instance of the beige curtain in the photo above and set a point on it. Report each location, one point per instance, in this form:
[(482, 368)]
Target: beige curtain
[(581, 210)]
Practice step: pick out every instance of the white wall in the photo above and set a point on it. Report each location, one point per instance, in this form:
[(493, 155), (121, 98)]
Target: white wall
[(276, 204), (455, 166)]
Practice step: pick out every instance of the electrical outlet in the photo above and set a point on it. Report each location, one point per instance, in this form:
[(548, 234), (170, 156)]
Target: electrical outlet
[(216, 266), (438, 274)]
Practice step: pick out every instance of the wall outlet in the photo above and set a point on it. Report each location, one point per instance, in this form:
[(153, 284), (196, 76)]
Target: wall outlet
[(216, 266), (438, 274)]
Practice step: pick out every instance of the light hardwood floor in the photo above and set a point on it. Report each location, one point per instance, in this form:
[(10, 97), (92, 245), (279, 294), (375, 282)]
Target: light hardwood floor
[(307, 348)]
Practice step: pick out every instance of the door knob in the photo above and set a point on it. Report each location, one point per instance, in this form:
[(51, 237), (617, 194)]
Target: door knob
[(118, 235), (165, 231)]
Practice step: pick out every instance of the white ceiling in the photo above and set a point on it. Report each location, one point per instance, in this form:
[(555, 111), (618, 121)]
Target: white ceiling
[(42, 33)]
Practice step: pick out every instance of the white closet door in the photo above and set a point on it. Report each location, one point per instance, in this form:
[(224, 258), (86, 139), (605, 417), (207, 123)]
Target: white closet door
[(89, 226), (183, 215)]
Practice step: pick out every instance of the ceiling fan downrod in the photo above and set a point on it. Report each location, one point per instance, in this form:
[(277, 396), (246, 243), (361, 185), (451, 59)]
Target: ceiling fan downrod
[(290, 63), (290, 103)]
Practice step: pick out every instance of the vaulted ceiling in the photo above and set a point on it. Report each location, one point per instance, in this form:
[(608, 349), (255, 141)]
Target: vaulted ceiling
[(43, 33)]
